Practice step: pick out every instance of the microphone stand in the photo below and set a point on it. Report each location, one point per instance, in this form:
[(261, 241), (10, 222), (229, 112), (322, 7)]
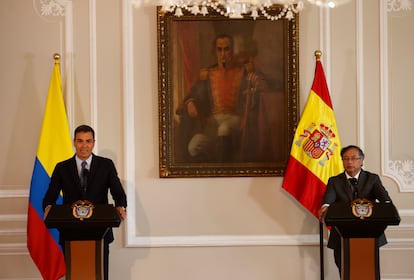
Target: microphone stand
[(84, 182)]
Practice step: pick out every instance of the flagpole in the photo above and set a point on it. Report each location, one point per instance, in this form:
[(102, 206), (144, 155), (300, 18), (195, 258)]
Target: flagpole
[(321, 255), (318, 55)]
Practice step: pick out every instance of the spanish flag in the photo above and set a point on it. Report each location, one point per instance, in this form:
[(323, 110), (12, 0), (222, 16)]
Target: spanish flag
[(54, 146), (315, 153)]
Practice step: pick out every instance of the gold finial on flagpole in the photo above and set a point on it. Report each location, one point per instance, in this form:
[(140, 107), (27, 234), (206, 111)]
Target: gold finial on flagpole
[(318, 55), (56, 57)]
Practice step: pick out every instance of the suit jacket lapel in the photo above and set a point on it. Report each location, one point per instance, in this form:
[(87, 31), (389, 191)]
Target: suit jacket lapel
[(362, 180), (75, 172), (92, 169)]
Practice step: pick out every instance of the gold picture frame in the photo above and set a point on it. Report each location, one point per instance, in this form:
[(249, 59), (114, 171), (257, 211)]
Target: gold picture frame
[(247, 131)]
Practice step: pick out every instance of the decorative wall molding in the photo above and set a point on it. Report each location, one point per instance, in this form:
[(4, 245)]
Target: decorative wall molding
[(400, 170), (10, 193), (68, 63), (403, 172), (129, 120), (10, 249), (62, 10), (269, 240), (13, 248), (224, 240), (93, 69), (13, 218), (251, 240), (360, 72), (55, 8), (399, 5)]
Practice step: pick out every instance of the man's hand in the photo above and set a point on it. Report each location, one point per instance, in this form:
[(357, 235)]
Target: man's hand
[(322, 211), (122, 212), (256, 82), (192, 109), (47, 210)]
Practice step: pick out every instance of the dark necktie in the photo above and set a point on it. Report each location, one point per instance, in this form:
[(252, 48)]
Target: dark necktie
[(354, 183), (84, 176)]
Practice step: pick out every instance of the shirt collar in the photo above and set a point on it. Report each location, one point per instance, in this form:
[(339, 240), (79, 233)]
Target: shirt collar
[(79, 161), (356, 176)]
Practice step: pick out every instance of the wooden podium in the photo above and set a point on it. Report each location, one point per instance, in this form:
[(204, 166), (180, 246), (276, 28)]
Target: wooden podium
[(83, 238), (359, 234)]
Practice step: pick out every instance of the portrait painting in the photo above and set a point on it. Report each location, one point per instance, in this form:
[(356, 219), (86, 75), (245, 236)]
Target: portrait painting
[(228, 95)]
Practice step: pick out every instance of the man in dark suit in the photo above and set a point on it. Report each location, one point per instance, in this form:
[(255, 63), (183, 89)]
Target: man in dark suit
[(101, 177), (349, 185)]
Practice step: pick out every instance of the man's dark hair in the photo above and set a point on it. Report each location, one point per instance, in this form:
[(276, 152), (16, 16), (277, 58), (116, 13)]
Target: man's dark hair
[(84, 128), (223, 36), (350, 147)]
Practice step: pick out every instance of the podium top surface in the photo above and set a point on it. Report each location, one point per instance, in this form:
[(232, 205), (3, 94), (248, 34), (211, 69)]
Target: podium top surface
[(341, 216), (103, 216), (382, 213)]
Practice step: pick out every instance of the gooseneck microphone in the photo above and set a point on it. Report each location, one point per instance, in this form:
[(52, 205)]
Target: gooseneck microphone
[(354, 183), (84, 179)]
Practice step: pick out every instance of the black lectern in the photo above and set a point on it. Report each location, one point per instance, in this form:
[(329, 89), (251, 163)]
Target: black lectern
[(360, 223), (83, 229)]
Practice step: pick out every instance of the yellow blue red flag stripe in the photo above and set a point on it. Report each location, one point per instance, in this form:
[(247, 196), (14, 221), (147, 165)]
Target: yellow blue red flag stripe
[(315, 153), (54, 146)]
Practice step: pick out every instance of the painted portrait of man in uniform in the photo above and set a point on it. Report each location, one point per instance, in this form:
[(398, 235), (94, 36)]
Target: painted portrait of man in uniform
[(228, 91)]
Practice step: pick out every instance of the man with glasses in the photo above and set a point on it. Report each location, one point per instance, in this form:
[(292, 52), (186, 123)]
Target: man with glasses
[(353, 183)]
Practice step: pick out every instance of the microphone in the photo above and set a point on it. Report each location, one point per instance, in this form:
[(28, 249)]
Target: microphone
[(84, 181), (354, 182)]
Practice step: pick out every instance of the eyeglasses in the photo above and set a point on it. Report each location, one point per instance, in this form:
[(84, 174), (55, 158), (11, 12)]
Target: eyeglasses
[(350, 158)]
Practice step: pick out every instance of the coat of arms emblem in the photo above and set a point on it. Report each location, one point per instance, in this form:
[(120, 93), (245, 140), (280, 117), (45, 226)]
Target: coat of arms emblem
[(82, 209), (319, 141), (362, 208)]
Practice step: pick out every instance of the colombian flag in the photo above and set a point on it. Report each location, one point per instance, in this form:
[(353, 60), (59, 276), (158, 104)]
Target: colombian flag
[(315, 153), (54, 146)]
